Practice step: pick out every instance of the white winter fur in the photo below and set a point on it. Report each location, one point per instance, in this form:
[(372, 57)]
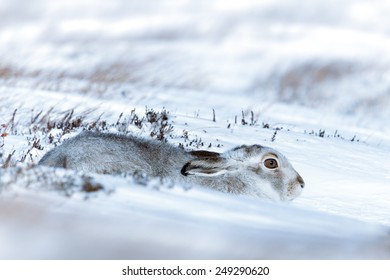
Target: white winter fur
[(242, 170)]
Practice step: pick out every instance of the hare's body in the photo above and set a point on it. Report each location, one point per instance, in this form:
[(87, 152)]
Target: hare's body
[(111, 153), (242, 170)]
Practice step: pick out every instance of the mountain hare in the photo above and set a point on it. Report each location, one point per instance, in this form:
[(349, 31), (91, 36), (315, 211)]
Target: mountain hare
[(251, 170)]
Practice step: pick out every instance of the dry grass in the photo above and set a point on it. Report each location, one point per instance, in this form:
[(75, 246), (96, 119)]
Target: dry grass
[(65, 182), (304, 83), (96, 82), (115, 73), (45, 130)]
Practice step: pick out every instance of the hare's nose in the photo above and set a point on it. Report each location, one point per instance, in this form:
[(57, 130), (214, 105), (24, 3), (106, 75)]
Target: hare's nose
[(300, 181)]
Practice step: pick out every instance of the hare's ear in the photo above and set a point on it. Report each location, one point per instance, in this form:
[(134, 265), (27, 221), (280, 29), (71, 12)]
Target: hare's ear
[(206, 164)]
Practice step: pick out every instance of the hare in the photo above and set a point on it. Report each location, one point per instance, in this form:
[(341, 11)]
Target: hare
[(249, 170)]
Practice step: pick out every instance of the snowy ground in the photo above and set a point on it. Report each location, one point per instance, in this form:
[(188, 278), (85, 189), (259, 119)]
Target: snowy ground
[(317, 75)]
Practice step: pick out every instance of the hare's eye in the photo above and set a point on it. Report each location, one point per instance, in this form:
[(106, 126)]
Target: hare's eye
[(271, 163)]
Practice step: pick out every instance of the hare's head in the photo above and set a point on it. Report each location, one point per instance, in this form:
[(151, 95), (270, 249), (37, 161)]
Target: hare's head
[(258, 170)]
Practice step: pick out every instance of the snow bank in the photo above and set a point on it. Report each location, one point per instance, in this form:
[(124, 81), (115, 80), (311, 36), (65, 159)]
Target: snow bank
[(309, 80)]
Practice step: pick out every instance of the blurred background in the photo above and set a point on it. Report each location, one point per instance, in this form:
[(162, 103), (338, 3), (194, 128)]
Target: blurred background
[(292, 68), (331, 57)]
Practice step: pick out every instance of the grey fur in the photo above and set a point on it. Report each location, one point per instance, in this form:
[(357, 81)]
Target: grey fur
[(240, 170)]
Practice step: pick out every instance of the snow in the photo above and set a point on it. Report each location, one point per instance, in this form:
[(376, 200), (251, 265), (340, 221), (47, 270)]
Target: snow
[(299, 69)]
